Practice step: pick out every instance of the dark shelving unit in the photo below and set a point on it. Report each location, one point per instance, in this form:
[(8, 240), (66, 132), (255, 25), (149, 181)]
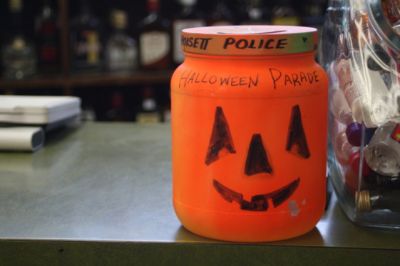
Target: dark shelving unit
[(67, 81)]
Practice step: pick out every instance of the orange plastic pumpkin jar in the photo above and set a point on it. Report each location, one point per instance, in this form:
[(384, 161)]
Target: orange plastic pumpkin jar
[(249, 123)]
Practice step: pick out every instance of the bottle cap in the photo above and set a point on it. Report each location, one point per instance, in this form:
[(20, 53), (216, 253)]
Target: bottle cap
[(249, 40), (362, 199)]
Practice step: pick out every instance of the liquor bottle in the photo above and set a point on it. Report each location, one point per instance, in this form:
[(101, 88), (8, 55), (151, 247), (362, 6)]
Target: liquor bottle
[(221, 15), (188, 18), (255, 14), (154, 39), (116, 111), (284, 14), (18, 54), (86, 40), (313, 14), (149, 111), (47, 38), (121, 49)]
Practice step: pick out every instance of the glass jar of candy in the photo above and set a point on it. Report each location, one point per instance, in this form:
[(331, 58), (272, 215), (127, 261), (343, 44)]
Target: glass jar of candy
[(361, 52)]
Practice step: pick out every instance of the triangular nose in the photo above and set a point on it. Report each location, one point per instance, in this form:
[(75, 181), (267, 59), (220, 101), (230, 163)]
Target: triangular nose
[(220, 137), (257, 159)]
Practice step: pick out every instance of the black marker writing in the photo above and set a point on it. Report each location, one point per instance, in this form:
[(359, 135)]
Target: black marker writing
[(201, 43), (295, 79), (192, 77)]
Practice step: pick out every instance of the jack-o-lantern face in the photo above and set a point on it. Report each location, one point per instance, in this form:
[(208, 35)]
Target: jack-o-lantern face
[(257, 160)]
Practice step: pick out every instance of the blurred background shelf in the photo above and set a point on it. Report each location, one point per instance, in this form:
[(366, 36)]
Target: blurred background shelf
[(60, 38), (37, 82), (134, 78), (91, 80)]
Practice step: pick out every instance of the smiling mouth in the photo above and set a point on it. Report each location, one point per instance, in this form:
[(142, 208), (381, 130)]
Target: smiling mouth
[(258, 202)]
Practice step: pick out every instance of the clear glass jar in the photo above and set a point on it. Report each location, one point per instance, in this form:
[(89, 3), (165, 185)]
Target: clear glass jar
[(360, 52)]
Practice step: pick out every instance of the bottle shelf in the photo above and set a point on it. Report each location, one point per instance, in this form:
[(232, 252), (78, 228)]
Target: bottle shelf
[(135, 78), (66, 11), (63, 78), (90, 80)]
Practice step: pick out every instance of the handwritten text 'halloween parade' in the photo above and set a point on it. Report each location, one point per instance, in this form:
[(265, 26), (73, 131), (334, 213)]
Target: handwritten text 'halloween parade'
[(297, 79)]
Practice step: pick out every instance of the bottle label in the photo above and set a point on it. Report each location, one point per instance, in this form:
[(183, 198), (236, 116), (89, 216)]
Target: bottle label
[(88, 47), (93, 48), (155, 46), (121, 58), (178, 26), (146, 118)]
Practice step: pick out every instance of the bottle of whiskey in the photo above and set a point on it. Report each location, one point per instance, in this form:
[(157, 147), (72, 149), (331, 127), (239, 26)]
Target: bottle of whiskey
[(121, 49), (313, 14), (284, 14), (116, 112), (154, 39), (255, 14), (18, 54), (221, 15), (188, 18), (149, 111), (86, 40), (47, 38)]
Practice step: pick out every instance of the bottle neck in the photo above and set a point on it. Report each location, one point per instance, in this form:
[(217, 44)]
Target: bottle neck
[(84, 8), (117, 100), (16, 17), (119, 30), (47, 11), (187, 9), (221, 6), (153, 6)]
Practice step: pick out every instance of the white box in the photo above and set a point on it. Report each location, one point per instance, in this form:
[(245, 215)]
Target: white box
[(37, 110)]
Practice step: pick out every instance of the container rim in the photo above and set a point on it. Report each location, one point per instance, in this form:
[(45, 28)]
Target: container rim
[(249, 40)]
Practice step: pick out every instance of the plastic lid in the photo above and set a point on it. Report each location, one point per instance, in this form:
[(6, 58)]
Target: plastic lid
[(249, 40)]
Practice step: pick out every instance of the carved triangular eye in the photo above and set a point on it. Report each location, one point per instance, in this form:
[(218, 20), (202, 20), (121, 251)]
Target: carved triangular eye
[(220, 137), (296, 141), (257, 160)]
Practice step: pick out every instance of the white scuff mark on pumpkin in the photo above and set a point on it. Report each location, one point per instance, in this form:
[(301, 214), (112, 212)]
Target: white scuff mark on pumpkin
[(293, 208)]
